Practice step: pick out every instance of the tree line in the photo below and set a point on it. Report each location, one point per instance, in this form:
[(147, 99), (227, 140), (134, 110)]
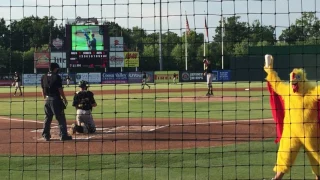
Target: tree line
[(21, 38)]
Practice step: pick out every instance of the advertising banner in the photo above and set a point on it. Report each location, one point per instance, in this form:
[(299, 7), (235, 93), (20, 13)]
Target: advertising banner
[(165, 76), (116, 43), (60, 58), (57, 45), (224, 75), (41, 60), (72, 78), (215, 75), (136, 77), (131, 59), (31, 79), (116, 59), (6, 80), (114, 78), (92, 78), (95, 78), (192, 77)]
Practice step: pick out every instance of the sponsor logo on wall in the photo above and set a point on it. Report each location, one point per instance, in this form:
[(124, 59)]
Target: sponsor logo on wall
[(116, 43), (116, 59), (60, 58)]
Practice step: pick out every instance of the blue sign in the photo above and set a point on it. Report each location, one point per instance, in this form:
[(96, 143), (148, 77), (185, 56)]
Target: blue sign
[(221, 75), (114, 78), (224, 75)]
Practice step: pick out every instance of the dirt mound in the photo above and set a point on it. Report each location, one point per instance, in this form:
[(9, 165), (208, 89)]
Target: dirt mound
[(210, 99)]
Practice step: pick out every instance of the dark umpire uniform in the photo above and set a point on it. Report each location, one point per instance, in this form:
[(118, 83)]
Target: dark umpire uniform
[(52, 92)]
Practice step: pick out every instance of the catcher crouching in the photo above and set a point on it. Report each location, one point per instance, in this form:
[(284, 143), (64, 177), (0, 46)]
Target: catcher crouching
[(83, 101)]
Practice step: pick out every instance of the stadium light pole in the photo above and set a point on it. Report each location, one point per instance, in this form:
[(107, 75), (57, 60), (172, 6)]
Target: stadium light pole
[(160, 37)]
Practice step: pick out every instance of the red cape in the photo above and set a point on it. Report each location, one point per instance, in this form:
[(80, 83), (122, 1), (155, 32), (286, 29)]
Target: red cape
[(277, 108)]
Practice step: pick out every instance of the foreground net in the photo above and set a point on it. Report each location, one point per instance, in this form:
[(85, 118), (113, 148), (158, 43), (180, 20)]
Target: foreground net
[(150, 66)]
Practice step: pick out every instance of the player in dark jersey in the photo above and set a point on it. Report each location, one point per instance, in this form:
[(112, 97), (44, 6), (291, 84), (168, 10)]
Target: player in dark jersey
[(68, 80), (144, 80), (93, 43), (17, 83), (175, 78), (208, 73), (83, 101), (52, 92)]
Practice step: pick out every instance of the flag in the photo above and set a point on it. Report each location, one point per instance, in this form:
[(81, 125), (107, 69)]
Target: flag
[(187, 26), (206, 27)]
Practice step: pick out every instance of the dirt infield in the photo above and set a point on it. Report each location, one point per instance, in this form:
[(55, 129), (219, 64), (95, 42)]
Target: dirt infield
[(23, 137), (136, 91), (209, 99)]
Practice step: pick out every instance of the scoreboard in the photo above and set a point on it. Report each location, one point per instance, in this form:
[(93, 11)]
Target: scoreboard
[(89, 59)]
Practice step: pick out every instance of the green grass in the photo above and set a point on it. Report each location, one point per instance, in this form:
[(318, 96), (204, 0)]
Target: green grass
[(145, 105), (254, 160), (97, 87)]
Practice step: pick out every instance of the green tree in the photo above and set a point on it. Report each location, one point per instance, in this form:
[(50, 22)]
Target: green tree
[(149, 60), (304, 29)]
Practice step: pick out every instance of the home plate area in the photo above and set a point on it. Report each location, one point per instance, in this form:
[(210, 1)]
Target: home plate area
[(100, 132)]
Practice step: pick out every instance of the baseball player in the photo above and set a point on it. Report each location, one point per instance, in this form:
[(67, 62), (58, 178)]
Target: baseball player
[(208, 72), (52, 92), (83, 101), (174, 78), (17, 83), (144, 80), (68, 80)]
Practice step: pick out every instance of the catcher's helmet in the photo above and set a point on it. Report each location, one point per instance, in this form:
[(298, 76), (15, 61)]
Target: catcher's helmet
[(83, 84)]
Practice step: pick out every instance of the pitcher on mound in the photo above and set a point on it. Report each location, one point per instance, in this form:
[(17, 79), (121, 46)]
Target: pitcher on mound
[(208, 73)]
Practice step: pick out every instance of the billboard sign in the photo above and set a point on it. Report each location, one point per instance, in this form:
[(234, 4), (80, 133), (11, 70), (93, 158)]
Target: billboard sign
[(57, 45), (116, 59), (131, 59), (165, 76), (31, 79), (114, 78), (60, 58), (192, 77), (116, 43), (92, 78), (41, 60)]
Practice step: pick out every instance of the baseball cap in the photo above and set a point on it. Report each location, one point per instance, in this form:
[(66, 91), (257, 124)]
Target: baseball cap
[(54, 66)]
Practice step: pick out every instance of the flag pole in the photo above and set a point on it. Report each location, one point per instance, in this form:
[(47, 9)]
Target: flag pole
[(222, 34), (186, 45), (204, 39)]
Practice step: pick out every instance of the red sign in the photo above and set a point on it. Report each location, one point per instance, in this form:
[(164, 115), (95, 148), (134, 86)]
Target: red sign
[(42, 60), (131, 55), (5, 82)]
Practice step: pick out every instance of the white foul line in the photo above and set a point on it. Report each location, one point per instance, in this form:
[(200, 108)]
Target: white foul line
[(213, 122), (24, 120)]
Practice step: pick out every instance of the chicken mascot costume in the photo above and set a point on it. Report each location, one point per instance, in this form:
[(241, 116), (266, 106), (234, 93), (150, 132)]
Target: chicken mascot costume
[(295, 111)]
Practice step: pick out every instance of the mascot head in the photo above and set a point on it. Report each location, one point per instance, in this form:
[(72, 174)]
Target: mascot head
[(298, 80)]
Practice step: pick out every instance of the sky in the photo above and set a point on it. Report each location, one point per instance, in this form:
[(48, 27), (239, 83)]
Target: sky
[(145, 13)]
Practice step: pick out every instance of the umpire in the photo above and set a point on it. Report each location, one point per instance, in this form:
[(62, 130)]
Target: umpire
[(52, 92)]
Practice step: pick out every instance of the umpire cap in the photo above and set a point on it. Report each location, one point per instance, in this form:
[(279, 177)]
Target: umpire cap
[(54, 66), (83, 84)]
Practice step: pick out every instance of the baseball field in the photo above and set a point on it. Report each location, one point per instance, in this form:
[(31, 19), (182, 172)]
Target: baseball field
[(166, 132)]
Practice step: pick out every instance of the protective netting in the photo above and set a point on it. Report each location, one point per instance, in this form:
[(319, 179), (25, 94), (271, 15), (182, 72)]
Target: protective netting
[(180, 88)]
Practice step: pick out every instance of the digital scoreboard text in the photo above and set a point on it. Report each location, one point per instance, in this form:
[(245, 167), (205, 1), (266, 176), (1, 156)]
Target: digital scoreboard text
[(88, 59)]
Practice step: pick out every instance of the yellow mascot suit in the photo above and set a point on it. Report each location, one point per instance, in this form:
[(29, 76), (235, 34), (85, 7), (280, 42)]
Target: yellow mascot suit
[(300, 123)]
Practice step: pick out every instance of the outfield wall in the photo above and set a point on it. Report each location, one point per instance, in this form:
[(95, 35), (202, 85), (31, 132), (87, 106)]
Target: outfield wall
[(157, 77)]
